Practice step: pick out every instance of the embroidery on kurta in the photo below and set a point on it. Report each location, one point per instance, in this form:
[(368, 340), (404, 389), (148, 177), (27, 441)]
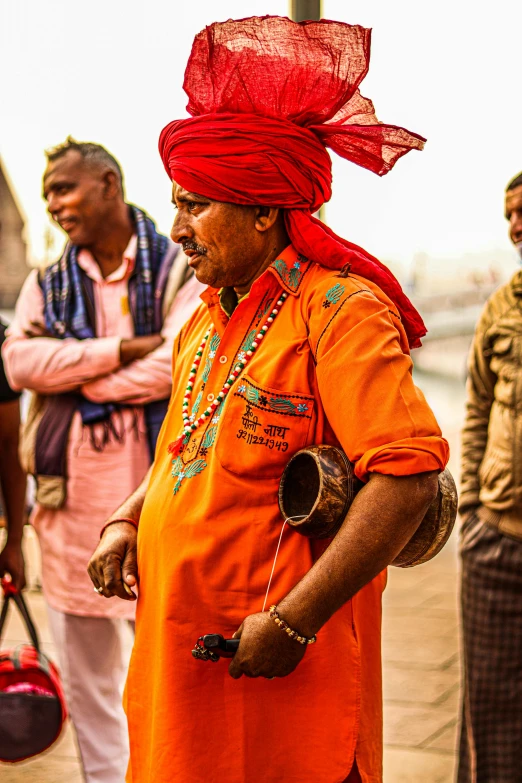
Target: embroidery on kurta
[(217, 414), (263, 310), (184, 446), (181, 471), (333, 295), (209, 437), (249, 342), (290, 405), (214, 345), (336, 313), (195, 407), (271, 435), (290, 275)]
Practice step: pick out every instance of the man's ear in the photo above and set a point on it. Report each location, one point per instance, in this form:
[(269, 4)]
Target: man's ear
[(266, 217), (111, 184)]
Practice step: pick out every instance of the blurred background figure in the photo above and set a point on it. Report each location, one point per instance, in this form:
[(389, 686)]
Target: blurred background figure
[(491, 535), (12, 479), (92, 339)]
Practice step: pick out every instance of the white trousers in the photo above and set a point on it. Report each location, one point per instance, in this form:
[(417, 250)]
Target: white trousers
[(93, 655)]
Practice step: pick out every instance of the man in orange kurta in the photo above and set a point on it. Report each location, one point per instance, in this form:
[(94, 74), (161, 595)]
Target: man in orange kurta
[(287, 349)]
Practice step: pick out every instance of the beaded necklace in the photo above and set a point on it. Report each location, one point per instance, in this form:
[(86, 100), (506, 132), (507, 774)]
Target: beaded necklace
[(177, 447)]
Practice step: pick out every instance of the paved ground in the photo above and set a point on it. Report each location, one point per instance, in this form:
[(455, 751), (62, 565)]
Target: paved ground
[(421, 672), (420, 649), (59, 765), (420, 631)]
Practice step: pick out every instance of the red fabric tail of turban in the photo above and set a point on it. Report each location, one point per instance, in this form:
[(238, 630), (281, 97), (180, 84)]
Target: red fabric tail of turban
[(267, 96)]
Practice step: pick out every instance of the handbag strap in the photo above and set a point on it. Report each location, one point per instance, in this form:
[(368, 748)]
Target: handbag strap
[(10, 594)]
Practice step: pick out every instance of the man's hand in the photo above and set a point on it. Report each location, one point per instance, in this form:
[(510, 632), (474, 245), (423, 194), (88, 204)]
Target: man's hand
[(12, 563), (114, 562), (139, 347), (37, 329), (265, 650)]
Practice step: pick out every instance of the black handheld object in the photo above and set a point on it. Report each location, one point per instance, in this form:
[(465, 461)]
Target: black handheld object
[(213, 646)]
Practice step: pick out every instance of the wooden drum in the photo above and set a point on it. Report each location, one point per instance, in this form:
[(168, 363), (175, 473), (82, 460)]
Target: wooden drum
[(318, 486)]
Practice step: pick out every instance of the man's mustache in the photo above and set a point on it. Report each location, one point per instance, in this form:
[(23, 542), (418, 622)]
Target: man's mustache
[(194, 246)]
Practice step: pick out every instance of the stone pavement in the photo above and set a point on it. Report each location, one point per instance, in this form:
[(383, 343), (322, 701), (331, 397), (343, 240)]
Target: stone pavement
[(420, 652), (60, 764), (421, 671), (421, 659)]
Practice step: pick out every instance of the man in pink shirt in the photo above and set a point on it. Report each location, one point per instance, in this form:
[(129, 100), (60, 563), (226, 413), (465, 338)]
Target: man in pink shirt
[(92, 338)]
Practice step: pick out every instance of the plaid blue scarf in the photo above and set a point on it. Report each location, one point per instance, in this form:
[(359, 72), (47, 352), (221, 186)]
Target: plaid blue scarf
[(65, 309)]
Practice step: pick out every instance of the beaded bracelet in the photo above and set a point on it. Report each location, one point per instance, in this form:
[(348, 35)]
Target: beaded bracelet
[(121, 519), (274, 615)]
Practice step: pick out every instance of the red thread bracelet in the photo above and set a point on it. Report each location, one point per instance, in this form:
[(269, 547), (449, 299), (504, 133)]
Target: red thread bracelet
[(121, 519)]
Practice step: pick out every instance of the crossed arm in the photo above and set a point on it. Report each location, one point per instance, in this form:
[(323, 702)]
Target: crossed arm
[(135, 371)]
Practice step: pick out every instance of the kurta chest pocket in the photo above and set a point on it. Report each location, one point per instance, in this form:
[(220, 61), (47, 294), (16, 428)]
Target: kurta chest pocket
[(262, 428)]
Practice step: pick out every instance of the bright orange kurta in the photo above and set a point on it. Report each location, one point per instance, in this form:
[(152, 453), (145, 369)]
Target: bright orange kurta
[(333, 368)]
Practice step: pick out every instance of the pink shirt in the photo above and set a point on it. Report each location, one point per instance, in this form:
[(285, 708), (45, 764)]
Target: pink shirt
[(97, 481)]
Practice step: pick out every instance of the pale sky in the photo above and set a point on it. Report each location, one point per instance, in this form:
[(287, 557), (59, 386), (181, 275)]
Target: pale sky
[(111, 71)]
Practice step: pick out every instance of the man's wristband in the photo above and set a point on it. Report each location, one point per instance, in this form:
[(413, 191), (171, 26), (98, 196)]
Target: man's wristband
[(121, 519), (274, 615)]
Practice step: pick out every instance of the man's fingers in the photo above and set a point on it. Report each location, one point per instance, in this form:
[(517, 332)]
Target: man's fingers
[(37, 330), (95, 572), (113, 562), (129, 566), (19, 581), (234, 670), (129, 570), (112, 578), (13, 566), (237, 669)]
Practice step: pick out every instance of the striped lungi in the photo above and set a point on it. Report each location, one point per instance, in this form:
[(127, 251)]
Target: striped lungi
[(491, 735)]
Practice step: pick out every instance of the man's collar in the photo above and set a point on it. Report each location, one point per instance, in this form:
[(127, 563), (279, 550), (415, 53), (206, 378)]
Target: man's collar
[(128, 262), (229, 300), (290, 268)]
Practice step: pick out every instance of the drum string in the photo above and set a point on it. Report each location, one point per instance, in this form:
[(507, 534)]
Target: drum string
[(288, 519)]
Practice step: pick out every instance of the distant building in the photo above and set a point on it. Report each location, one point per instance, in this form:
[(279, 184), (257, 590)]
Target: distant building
[(13, 249)]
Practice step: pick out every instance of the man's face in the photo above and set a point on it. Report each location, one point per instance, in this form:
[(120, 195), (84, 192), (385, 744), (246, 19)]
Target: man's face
[(221, 240), (513, 211), (76, 197)]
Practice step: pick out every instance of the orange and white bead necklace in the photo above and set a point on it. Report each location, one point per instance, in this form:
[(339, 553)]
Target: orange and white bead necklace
[(189, 427)]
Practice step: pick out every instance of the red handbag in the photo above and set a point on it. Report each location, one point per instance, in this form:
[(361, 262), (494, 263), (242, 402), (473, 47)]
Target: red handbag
[(32, 704)]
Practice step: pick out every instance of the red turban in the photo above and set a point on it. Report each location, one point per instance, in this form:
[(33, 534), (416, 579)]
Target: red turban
[(267, 96)]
